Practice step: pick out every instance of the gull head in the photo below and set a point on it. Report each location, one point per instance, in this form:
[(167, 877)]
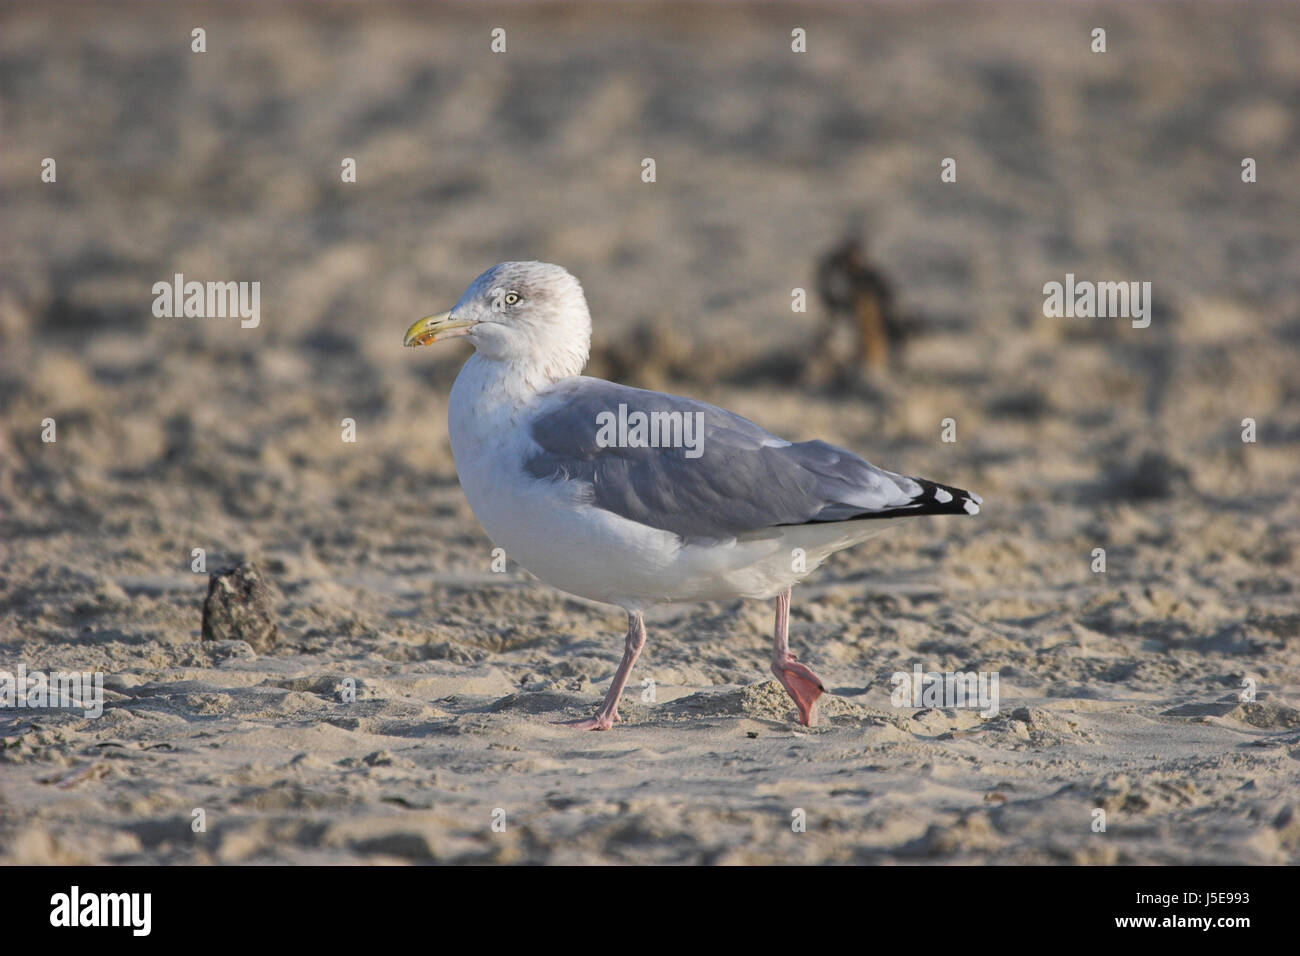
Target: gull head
[(528, 313)]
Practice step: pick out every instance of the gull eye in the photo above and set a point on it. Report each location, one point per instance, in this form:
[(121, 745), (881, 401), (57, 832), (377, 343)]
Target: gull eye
[(511, 298)]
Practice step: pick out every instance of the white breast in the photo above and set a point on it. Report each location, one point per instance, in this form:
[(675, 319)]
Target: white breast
[(543, 525)]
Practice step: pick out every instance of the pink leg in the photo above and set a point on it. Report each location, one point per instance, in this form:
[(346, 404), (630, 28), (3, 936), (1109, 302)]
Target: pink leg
[(803, 686), (607, 715)]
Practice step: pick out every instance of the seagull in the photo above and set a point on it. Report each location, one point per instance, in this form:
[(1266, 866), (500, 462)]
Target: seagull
[(636, 498)]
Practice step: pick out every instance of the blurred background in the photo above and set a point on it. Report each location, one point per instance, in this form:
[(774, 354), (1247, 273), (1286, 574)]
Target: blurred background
[(1079, 433)]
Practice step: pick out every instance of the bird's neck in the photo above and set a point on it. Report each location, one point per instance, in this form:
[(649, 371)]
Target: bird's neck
[(505, 384), (488, 400), (519, 379)]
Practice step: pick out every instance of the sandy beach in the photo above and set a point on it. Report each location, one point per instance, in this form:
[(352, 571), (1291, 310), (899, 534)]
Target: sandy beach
[(411, 699)]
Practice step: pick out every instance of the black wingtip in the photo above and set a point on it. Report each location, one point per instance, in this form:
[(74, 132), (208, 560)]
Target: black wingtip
[(933, 499), (937, 499)]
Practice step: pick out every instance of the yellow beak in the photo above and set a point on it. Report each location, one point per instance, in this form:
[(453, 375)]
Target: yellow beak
[(435, 327)]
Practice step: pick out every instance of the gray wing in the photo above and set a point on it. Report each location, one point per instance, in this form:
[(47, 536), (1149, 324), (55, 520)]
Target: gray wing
[(732, 478)]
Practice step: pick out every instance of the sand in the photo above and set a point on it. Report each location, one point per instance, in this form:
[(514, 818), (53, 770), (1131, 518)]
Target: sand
[(1119, 691)]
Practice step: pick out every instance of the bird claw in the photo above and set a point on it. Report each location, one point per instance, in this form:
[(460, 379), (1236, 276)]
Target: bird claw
[(589, 723), (803, 686)]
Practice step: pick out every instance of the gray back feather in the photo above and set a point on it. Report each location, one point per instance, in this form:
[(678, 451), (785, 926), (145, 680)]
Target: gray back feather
[(745, 480)]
